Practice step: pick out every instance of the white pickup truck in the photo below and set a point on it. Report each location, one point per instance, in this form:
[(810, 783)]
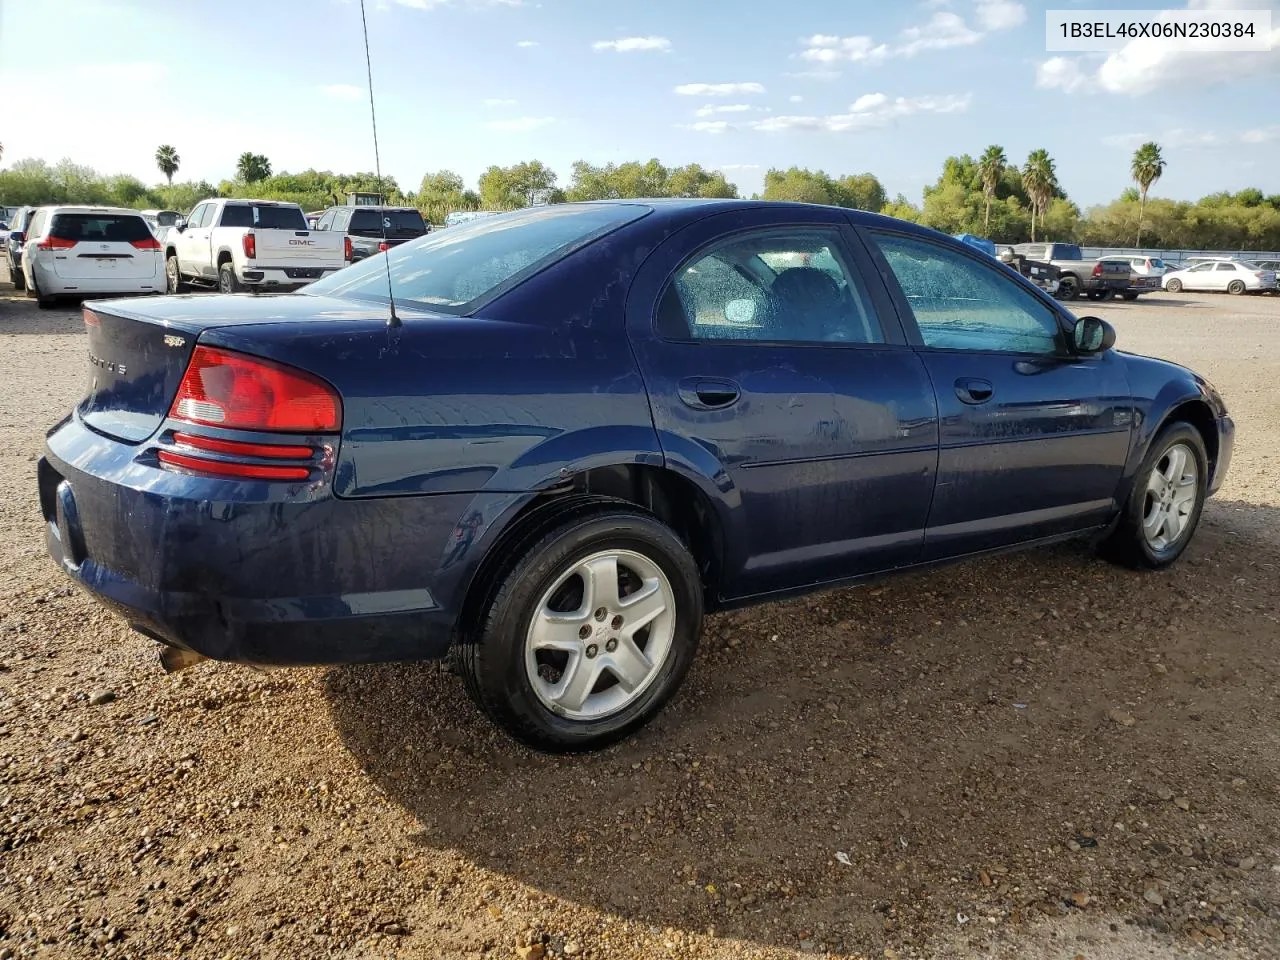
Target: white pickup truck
[(255, 245)]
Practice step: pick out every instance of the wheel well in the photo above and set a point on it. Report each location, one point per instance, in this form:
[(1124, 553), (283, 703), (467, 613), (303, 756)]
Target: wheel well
[(170, 252), (675, 501), (1198, 414), (224, 256)]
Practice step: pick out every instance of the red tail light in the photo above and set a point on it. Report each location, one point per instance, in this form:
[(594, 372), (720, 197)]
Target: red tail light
[(55, 243), (1097, 269), (236, 448), (221, 468), (150, 243), (250, 244), (346, 248), (240, 392), (383, 247)]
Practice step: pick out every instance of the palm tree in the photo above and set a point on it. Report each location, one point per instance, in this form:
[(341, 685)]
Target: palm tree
[(1039, 179), (167, 160), (991, 168), (252, 167), (1147, 166)]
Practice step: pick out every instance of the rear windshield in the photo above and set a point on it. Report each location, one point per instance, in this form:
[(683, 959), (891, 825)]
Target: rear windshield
[(1066, 251), (453, 269), (263, 217), (99, 227), (398, 224)]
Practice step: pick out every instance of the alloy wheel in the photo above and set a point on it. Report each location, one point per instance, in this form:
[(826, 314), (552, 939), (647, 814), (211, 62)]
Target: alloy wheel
[(600, 635), (1172, 491)]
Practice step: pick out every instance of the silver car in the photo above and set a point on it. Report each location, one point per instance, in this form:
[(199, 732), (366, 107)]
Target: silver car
[(1233, 276)]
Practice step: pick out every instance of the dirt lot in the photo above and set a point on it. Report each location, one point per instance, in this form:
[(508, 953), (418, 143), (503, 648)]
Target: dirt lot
[(1036, 756)]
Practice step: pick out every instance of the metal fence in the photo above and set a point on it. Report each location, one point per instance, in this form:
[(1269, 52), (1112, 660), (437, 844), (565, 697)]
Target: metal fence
[(1177, 256)]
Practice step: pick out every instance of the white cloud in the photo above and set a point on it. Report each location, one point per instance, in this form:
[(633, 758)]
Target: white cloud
[(520, 124), (943, 30), (734, 167), (1146, 65), (868, 101), (1261, 135), (1181, 138), (717, 89), (825, 73), (436, 4), (527, 44), (633, 44), (711, 109), (1063, 73), (498, 102), (822, 48), (708, 126), (796, 98), (867, 112), (1000, 14)]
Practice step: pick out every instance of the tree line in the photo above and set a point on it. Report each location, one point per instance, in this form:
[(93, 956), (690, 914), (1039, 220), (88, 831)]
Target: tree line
[(986, 195)]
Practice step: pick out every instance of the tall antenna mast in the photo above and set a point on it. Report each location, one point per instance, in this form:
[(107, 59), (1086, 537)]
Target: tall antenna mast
[(393, 320)]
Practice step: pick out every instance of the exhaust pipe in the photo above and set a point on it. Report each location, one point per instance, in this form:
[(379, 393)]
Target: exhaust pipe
[(174, 659)]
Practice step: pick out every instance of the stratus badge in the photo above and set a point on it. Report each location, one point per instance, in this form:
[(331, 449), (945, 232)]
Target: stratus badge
[(171, 341)]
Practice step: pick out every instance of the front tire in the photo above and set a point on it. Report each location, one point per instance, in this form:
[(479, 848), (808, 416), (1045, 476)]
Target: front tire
[(227, 280), (1166, 501), (173, 282), (17, 279), (1236, 287), (1130, 296), (589, 633), (1174, 286)]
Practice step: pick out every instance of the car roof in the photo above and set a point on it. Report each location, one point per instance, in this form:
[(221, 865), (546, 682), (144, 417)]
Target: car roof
[(80, 208), (370, 206), (248, 201)]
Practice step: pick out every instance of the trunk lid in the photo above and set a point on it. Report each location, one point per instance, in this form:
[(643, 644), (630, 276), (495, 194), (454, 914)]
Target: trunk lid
[(139, 349), (95, 246)]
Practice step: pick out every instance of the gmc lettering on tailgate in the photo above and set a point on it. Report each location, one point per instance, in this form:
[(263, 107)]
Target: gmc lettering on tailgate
[(302, 243)]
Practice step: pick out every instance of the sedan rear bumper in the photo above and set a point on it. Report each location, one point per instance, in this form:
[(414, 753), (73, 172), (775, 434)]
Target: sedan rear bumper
[(252, 572)]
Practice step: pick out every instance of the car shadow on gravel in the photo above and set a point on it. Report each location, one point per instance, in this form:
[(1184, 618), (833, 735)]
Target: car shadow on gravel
[(993, 740)]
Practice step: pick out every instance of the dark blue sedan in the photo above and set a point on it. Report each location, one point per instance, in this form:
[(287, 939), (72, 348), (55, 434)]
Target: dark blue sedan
[(583, 426)]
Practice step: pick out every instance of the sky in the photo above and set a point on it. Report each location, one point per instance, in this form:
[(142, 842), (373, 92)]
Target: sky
[(890, 87)]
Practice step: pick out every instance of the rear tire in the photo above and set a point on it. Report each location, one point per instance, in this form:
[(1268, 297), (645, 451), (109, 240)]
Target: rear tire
[(520, 664), (1130, 296), (1068, 287), (1174, 286), (17, 279), (227, 280), (42, 302), (1163, 510), (1236, 287)]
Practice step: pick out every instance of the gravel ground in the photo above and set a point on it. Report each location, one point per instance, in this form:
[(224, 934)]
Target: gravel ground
[(1033, 756)]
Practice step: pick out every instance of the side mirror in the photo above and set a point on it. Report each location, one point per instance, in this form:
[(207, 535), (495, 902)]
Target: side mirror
[(1093, 335), (17, 236), (180, 226), (740, 311)]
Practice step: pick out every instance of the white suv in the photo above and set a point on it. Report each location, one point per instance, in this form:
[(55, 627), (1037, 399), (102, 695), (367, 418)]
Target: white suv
[(89, 251)]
